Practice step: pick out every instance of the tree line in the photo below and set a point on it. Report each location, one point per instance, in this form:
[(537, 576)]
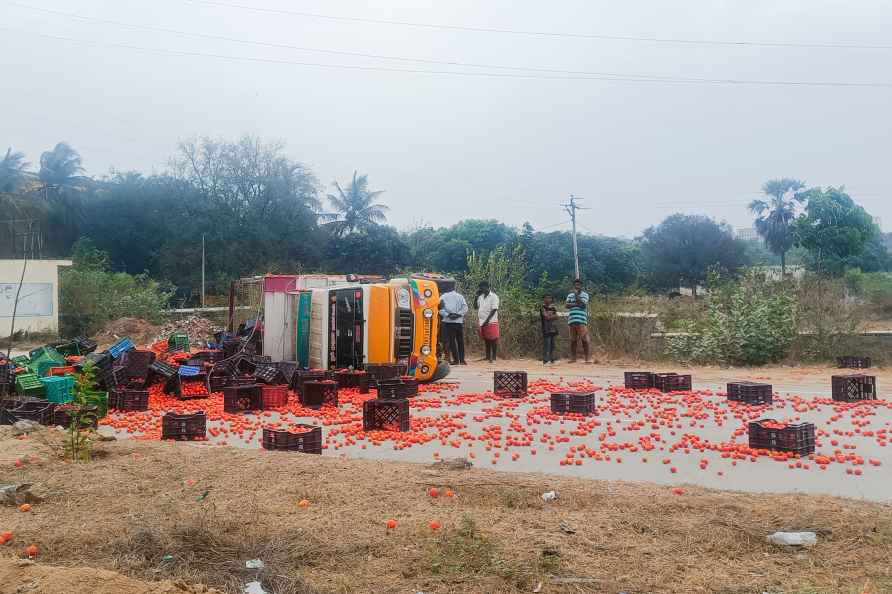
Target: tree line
[(259, 211)]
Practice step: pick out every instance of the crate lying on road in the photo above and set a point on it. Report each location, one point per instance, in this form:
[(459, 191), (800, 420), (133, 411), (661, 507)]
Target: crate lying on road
[(274, 396), (314, 394), (127, 399), (750, 392), (395, 389), (850, 362), (238, 399), (385, 415), (638, 380), (768, 434), (852, 388), (306, 439), (578, 403), (511, 384), (184, 427), (672, 382)]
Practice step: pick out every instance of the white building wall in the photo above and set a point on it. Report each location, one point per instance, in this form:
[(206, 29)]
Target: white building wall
[(38, 303)]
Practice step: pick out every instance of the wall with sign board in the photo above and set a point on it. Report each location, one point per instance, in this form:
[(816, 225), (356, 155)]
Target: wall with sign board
[(37, 307)]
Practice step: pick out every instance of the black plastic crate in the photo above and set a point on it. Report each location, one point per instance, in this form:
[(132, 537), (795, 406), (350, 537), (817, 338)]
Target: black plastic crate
[(768, 434), (750, 392), (639, 380), (511, 384), (395, 389), (381, 371), (314, 394), (850, 362), (306, 375), (287, 368), (232, 347), (239, 399), (85, 346), (307, 440), (579, 403), (385, 415), (137, 364), (672, 382), (216, 382), (852, 388), (269, 373), (127, 399), (188, 387), (39, 411), (184, 427), (113, 377), (349, 378), (207, 356), (100, 361), (159, 371)]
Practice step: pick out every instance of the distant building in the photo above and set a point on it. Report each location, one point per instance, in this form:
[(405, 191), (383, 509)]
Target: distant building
[(747, 234), (38, 300)]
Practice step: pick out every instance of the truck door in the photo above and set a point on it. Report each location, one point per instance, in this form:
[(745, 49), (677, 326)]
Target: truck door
[(346, 350)]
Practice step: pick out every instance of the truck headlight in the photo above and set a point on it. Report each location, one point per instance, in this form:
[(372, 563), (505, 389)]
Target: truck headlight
[(428, 313), (425, 369), (427, 293), (425, 350)]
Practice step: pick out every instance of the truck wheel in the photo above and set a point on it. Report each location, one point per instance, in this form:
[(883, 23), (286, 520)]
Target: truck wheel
[(441, 371)]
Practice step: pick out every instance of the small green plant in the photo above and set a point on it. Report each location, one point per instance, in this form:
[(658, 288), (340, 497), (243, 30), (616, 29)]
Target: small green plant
[(83, 414)]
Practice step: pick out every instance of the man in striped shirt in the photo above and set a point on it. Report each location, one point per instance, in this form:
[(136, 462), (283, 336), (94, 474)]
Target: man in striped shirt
[(577, 320)]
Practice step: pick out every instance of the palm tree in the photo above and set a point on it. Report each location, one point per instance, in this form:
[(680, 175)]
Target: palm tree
[(774, 216), (355, 207), (12, 171), (59, 167)]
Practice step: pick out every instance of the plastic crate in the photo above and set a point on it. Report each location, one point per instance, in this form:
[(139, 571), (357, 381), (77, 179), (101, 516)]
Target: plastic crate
[(179, 341), (28, 384), (672, 382), (184, 427), (395, 389), (216, 383), (316, 393), (137, 364), (99, 360), (112, 377), (579, 403), (348, 378), (39, 411), (67, 370), (58, 388), (21, 360), (207, 356), (46, 352), (307, 439), (750, 393), (161, 371), (638, 380), (768, 434), (188, 371), (511, 384), (852, 388), (274, 396), (67, 348), (193, 387), (85, 346), (269, 373), (385, 415), (850, 362), (381, 371), (306, 375), (99, 400), (121, 347), (128, 399), (288, 368), (239, 399)]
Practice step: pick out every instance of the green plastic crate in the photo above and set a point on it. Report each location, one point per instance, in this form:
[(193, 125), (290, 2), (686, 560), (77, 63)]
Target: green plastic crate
[(42, 368), (58, 388), (179, 340), (98, 399), (21, 360), (46, 352), (68, 348), (28, 384)]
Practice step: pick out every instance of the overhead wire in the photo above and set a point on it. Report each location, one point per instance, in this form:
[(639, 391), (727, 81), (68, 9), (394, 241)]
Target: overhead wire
[(534, 33), (505, 75)]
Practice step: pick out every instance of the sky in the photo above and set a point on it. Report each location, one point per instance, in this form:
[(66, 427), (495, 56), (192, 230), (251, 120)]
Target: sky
[(444, 132)]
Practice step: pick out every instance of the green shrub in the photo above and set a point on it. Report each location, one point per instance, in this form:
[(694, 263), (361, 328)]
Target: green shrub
[(750, 322), (91, 295)]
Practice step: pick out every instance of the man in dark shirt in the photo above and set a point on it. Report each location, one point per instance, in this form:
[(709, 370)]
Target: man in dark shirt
[(548, 315)]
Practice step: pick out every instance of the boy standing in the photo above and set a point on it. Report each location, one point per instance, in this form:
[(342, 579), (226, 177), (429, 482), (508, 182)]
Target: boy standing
[(577, 304), (488, 318), (548, 315)]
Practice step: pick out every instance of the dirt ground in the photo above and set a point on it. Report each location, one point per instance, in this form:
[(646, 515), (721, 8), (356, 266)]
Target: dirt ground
[(194, 514)]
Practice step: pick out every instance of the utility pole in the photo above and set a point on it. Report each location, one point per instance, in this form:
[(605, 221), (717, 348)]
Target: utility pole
[(571, 208), (202, 270)]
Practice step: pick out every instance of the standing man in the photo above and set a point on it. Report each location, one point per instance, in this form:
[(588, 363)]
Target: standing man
[(488, 318), (577, 305), (548, 315), (453, 309)]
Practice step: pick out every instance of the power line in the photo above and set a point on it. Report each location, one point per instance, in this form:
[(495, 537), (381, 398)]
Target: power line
[(530, 33), (591, 77)]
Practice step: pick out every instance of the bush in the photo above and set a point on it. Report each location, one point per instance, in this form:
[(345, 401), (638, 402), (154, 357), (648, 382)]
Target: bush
[(828, 316), (91, 295), (750, 322), (874, 287)]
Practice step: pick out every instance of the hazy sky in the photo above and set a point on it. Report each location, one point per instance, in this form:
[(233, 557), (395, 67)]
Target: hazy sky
[(448, 147)]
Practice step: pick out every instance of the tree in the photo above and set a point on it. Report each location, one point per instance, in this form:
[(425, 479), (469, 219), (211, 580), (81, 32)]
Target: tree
[(375, 250), (774, 217), (681, 250), (835, 231), (12, 171), (60, 167), (355, 207)]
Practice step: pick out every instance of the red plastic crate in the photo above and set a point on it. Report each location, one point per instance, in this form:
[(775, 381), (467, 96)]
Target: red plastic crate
[(274, 396)]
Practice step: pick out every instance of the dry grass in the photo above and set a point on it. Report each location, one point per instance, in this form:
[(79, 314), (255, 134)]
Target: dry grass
[(135, 506)]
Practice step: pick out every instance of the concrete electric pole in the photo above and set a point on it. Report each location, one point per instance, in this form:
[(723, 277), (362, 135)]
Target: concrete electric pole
[(571, 208)]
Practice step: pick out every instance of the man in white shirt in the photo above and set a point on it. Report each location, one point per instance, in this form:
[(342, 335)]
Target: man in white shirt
[(453, 309), (488, 318)]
